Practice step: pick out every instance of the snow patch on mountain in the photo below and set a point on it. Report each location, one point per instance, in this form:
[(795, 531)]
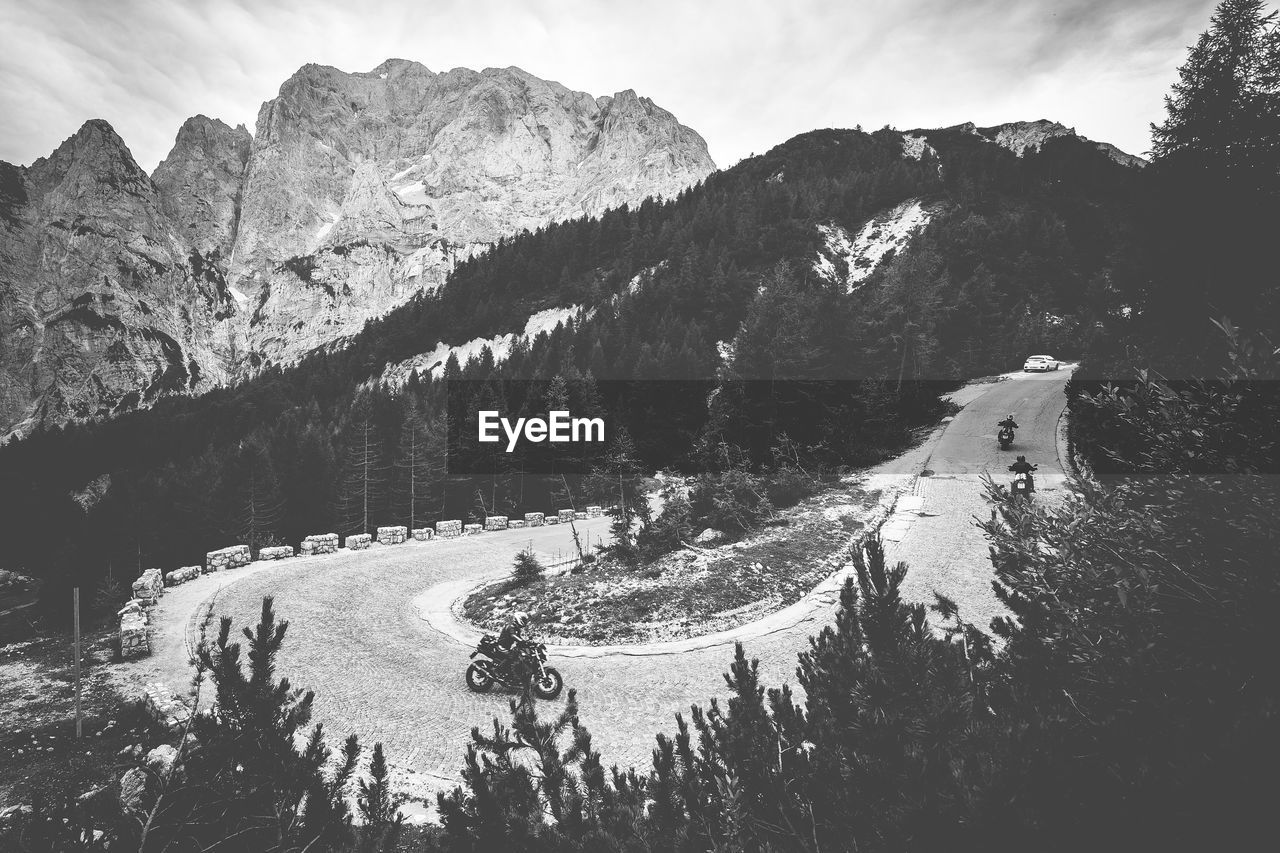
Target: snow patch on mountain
[(848, 259), (913, 147), (414, 193), (432, 363), (644, 276)]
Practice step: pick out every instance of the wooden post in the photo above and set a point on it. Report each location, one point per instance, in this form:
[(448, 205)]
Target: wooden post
[(75, 604)]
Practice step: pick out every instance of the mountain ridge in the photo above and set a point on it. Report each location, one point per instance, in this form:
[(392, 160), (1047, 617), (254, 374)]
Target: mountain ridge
[(377, 182)]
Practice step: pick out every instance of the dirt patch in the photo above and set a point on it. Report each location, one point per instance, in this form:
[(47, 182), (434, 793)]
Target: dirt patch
[(693, 591), (39, 752)]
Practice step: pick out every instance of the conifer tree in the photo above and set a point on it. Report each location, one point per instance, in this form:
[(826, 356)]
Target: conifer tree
[(1225, 106), (259, 505), (419, 463), (363, 490)]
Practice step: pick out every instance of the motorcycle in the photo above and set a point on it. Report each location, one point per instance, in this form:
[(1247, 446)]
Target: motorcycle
[(524, 665), (1005, 437), (1022, 482)]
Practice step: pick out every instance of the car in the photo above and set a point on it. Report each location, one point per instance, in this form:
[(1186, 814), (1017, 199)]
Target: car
[(1041, 362)]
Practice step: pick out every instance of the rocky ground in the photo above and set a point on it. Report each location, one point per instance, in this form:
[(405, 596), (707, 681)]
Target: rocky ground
[(692, 591), (40, 754)]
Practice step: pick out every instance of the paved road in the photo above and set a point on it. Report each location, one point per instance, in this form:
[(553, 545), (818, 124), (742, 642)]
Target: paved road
[(378, 670), (938, 539)]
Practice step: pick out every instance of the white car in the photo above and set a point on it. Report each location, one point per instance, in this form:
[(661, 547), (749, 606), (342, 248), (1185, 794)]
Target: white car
[(1041, 362)]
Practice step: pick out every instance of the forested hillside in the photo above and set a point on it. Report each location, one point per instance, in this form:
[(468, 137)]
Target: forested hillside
[(737, 279)]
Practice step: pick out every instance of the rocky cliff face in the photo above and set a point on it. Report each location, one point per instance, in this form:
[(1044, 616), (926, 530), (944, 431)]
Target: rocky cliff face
[(358, 191), (365, 188), (1022, 136), (101, 304), (200, 182)]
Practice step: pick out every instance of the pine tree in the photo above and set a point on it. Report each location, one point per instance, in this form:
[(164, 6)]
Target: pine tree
[(419, 464), (1226, 103), (241, 782), (363, 490), (259, 505), (379, 806)]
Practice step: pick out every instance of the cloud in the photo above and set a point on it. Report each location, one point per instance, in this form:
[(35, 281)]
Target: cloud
[(746, 74)]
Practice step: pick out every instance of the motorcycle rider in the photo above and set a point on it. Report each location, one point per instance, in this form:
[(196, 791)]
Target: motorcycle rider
[(513, 634), (1022, 466), (1008, 422)]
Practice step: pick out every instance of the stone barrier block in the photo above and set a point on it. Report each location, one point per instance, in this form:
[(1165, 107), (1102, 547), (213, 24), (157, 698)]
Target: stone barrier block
[(566, 515), (449, 528), (165, 708), (393, 535), (495, 522), (227, 558), (471, 529), (12, 580), (422, 534), (358, 541), (149, 587), (134, 637), (277, 552), (551, 519), (515, 524), (182, 575), (533, 519), (579, 515), (594, 512), (319, 543)]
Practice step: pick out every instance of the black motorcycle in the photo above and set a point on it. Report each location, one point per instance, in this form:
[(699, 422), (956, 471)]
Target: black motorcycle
[(1023, 484), (525, 664), (1005, 437)]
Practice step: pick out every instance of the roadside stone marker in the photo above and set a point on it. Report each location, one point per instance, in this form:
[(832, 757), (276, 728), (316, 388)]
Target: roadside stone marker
[(319, 543), (393, 535), (567, 515), (471, 529), (228, 558), (134, 639), (149, 587), (533, 519), (165, 708), (594, 512), (182, 575), (449, 528), (495, 522), (422, 534), (515, 523), (277, 552), (358, 541)]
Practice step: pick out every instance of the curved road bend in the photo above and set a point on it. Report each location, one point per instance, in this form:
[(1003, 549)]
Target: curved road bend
[(380, 671)]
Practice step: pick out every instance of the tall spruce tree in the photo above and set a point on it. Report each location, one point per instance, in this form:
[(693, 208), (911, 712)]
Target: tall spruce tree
[(363, 491), (419, 463), (259, 505)]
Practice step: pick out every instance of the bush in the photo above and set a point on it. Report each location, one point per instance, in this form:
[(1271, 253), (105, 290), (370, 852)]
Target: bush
[(667, 532), (732, 502), (527, 568)]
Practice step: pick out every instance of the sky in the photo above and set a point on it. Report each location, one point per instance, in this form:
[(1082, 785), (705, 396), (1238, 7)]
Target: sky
[(746, 74)]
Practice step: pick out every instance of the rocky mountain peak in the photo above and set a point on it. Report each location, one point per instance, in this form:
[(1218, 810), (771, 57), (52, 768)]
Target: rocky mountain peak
[(413, 160), (94, 154), (199, 182), (355, 192), (1023, 136)]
